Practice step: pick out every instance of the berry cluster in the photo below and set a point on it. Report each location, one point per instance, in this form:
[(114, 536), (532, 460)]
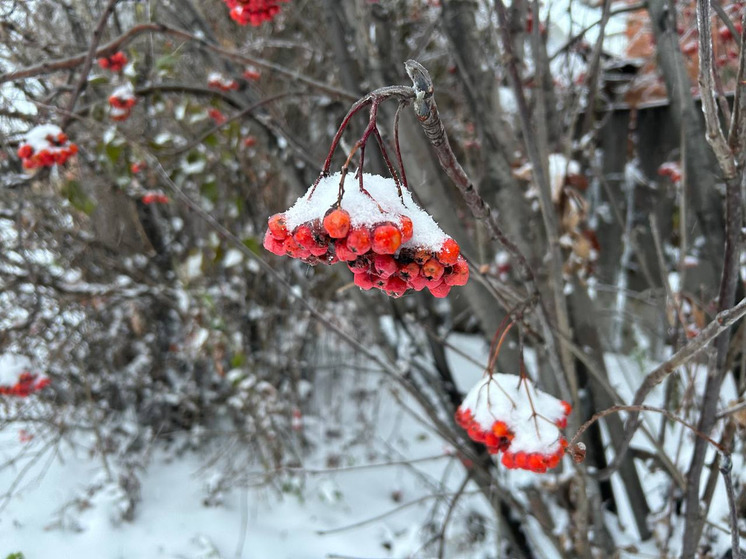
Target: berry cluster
[(253, 12), (121, 101), (45, 146), (516, 419), (387, 242), (216, 116), (116, 62), (154, 197), (27, 384), (251, 74), (216, 80)]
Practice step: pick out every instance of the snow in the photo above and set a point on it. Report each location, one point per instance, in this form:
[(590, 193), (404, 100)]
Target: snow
[(11, 366), (124, 92), (37, 138), (385, 205), (501, 397)]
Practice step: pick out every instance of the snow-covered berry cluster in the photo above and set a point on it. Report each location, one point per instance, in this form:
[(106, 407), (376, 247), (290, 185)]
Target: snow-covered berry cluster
[(253, 12), (387, 241), (154, 197), (44, 146), (24, 385), (509, 415), (121, 101), (116, 62), (251, 73), (216, 80)]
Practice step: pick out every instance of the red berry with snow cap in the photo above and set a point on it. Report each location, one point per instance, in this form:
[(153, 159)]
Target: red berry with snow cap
[(407, 228), (449, 252), (278, 227), (337, 223)]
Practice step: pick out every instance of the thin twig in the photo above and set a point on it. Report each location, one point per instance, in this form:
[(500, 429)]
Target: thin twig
[(88, 60), (726, 466)]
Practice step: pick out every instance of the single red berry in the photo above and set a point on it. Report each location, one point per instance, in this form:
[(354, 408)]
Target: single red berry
[(278, 227), (459, 273), (249, 141), (359, 266), (364, 281), (386, 239), (567, 407), (358, 240), (537, 463), (409, 271), (25, 151), (440, 291), (418, 282), (342, 252), (432, 269), (395, 286), (508, 460), (337, 223), (449, 252), (521, 460), (72, 149), (422, 256), (553, 461), (407, 228), (270, 243), (303, 235), (385, 265)]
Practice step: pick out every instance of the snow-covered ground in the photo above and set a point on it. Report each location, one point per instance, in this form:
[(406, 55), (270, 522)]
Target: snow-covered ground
[(376, 484)]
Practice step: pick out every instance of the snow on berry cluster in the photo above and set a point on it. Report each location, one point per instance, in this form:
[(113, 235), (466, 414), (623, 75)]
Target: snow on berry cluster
[(253, 12), (22, 385), (44, 146), (116, 62), (509, 415), (388, 242), (121, 101), (216, 80)]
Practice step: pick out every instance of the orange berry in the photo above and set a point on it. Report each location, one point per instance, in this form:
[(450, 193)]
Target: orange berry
[(278, 227), (409, 271), (449, 252), (358, 240), (432, 269), (508, 461), (567, 407), (303, 235), (337, 223), (386, 239), (407, 228)]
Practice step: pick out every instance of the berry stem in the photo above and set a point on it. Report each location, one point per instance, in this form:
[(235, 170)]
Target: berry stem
[(399, 159)]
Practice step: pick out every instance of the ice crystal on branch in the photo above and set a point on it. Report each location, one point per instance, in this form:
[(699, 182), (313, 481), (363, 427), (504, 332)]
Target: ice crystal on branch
[(388, 241), (508, 414)]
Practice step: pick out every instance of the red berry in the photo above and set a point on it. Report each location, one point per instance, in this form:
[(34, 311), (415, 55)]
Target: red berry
[(25, 151), (386, 239), (449, 252), (407, 228), (342, 252), (422, 256), (337, 223), (364, 281), (395, 286), (553, 461), (432, 269), (385, 265), (303, 235), (440, 291), (418, 283), (567, 407), (508, 461), (270, 243), (358, 240), (459, 274), (278, 227), (409, 271), (536, 463), (359, 266)]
